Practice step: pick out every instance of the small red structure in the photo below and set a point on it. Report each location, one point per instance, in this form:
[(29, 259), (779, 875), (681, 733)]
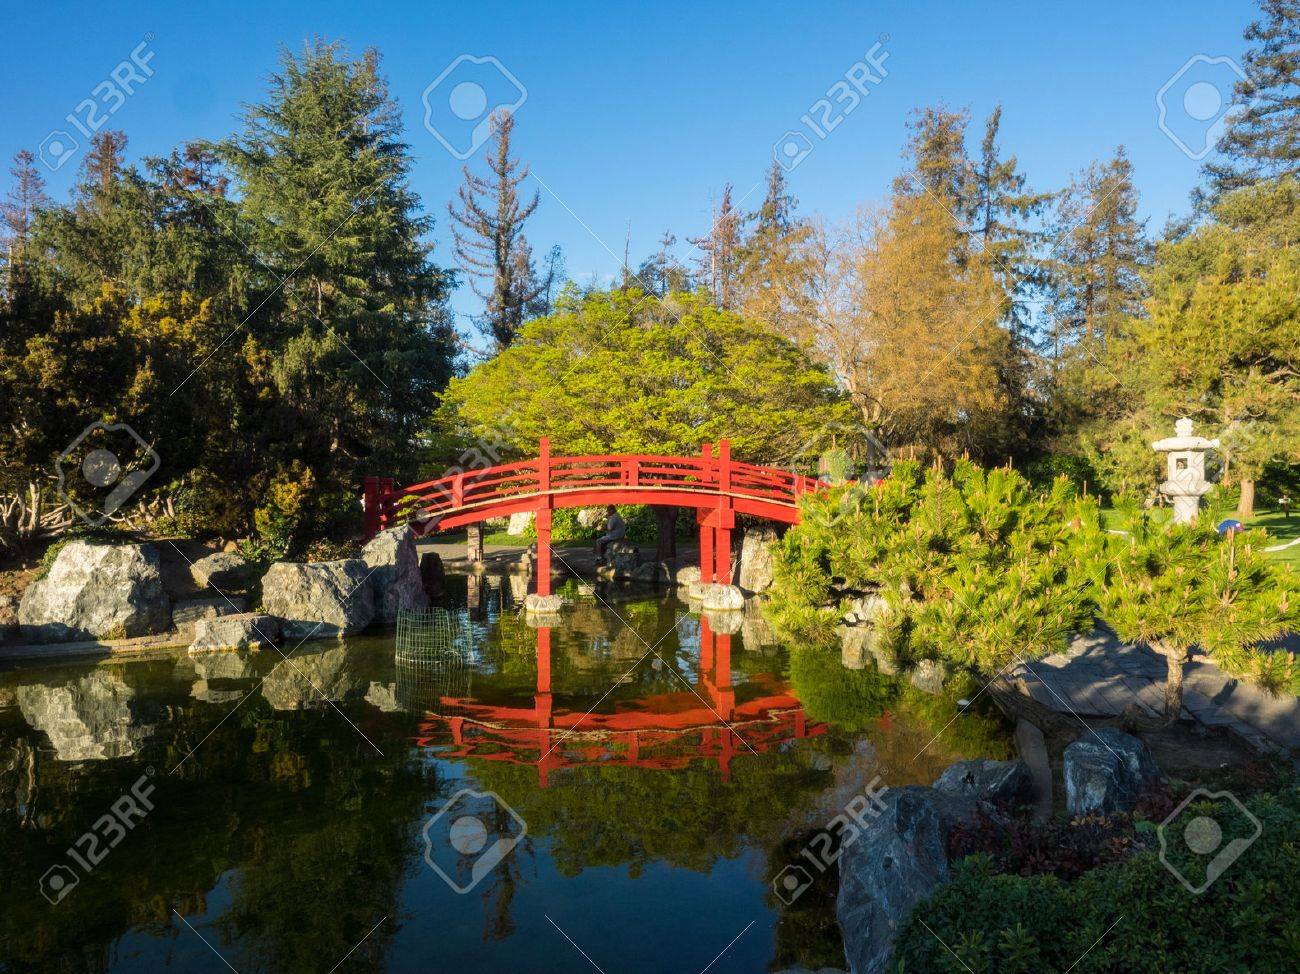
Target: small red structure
[(715, 485)]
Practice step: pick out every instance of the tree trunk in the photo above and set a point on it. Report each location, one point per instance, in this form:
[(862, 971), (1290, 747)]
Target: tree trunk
[(1246, 503), (665, 532), (1175, 662)]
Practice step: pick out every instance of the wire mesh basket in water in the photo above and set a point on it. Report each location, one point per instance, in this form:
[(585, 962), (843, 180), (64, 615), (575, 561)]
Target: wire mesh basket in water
[(432, 660)]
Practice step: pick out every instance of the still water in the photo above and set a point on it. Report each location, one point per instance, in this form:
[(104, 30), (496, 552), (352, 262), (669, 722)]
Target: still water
[(616, 793)]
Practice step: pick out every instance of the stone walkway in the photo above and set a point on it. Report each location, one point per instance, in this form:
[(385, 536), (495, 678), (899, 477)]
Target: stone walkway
[(1099, 677)]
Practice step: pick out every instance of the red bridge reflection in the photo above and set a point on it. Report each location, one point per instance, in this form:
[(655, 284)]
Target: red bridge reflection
[(700, 723)]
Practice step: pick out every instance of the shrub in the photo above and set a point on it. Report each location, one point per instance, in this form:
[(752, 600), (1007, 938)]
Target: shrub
[(1133, 916)]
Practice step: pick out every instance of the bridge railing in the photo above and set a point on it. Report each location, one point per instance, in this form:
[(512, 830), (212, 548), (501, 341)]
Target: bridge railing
[(546, 474)]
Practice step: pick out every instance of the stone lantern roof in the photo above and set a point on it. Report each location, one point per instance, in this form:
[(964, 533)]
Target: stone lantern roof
[(1184, 439)]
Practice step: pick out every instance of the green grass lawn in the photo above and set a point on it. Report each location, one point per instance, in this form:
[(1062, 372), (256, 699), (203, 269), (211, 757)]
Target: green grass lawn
[(1280, 529)]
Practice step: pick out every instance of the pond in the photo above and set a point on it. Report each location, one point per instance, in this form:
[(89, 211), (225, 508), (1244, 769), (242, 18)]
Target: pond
[(615, 793)]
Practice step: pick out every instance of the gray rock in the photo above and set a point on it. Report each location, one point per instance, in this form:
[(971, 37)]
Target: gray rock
[(311, 679), (319, 599), (688, 575), (589, 517), (519, 523), (652, 571), (929, 675), (866, 610), (535, 604), (250, 630), (1105, 771), (723, 597), (91, 718), (756, 632), (188, 612), (622, 558), (725, 622), (394, 573), (383, 696), (757, 559), (8, 615), (899, 860), (995, 781), (210, 666), (222, 570), (97, 591)]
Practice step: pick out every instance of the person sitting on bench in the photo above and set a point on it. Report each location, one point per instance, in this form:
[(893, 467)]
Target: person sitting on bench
[(615, 530)]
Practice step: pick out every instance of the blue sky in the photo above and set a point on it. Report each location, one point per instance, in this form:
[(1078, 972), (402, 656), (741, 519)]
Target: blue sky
[(636, 115)]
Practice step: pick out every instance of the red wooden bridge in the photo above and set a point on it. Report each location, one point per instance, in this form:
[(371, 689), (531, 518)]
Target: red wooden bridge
[(717, 486)]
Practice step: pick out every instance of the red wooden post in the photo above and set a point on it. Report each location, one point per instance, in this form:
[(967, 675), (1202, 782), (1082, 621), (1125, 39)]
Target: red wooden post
[(726, 516), (542, 700), (724, 692), (707, 564), (707, 640), (370, 508), (543, 586)]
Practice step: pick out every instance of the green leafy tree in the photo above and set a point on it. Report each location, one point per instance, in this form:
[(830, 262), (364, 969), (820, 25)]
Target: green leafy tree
[(624, 372), (1221, 339), (1179, 588)]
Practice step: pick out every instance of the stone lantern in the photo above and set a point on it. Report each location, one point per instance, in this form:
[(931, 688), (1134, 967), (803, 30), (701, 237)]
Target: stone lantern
[(1186, 479)]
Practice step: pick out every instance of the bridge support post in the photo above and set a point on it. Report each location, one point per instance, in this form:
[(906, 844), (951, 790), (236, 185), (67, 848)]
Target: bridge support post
[(726, 516), (543, 580), (706, 548), (474, 544)]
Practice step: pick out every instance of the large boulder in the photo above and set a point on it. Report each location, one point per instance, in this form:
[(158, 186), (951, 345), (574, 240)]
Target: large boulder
[(896, 862), (319, 599), (519, 523), (222, 571), (97, 591), (249, 630), (757, 559), (1105, 772), (8, 616), (89, 718), (188, 613), (395, 574), (313, 679), (995, 781), (622, 559), (713, 595), (929, 676), (688, 575)]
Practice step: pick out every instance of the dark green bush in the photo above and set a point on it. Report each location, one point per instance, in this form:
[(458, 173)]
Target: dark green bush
[(1135, 916)]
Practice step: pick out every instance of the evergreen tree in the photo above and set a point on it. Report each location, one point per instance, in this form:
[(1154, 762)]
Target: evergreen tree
[(937, 159), (662, 273), (1262, 139), (489, 233), (720, 258), (1182, 588), (18, 213), (775, 262), (348, 323), (1097, 287)]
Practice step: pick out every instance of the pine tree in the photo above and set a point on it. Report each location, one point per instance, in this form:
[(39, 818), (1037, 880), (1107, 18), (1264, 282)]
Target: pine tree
[(104, 161), (1262, 140), (720, 259), (662, 273), (18, 212), (1181, 588), (775, 263), (489, 232), (938, 163), (1101, 253), (348, 319)]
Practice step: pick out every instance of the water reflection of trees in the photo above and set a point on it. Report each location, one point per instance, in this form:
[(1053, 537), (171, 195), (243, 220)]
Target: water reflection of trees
[(310, 828)]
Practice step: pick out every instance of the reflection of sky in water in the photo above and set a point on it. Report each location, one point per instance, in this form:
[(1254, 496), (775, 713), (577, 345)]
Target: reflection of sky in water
[(291, 798)]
